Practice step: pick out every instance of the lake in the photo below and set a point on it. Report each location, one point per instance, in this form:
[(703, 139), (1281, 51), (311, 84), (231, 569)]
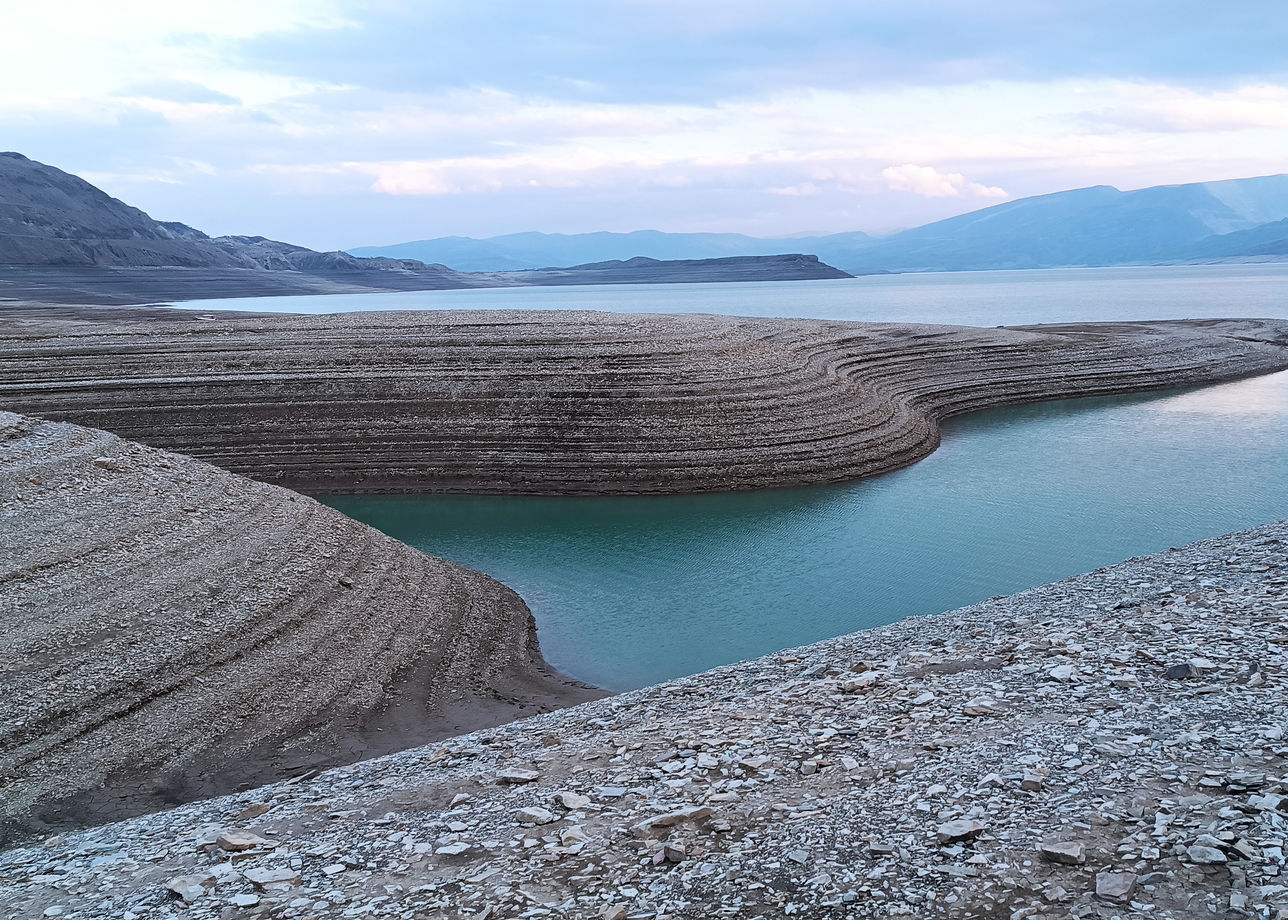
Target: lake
[(629, 591), (966, 298)]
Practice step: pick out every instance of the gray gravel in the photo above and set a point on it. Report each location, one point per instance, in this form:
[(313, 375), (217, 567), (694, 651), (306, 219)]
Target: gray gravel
[(1108, 746)]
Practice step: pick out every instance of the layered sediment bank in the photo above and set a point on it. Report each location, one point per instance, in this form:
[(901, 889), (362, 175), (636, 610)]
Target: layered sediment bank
[(565, 403), (1113, 745), (173, 631)]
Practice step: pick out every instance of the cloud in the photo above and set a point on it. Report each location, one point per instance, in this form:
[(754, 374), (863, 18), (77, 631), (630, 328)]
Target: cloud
[(1176, 109), (177, 90), (929, 182)]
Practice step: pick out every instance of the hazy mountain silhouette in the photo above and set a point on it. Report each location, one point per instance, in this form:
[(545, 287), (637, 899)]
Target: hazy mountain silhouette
[(1091, 226)]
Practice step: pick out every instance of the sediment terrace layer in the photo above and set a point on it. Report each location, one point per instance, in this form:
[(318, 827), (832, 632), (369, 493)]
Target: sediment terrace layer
[(172, 631), (562, 402), (1109, 746)]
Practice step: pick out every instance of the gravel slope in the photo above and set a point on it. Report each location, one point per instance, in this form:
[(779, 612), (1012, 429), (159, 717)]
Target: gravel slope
[(1108, 746), (559, 402), (172, 631)]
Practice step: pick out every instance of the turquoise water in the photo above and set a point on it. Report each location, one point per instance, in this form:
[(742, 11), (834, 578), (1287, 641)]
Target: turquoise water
[(968, 298), (628, 591)]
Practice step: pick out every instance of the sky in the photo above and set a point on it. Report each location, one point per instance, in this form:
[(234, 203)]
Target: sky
[(335, 124)]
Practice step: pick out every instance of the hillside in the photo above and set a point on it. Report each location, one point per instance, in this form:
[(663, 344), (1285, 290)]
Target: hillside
[(52, 218), (1266, 240)]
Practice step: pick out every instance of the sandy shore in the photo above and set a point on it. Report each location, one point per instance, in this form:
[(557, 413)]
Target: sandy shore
[(566, 402), (173, 631), (1108, 746)]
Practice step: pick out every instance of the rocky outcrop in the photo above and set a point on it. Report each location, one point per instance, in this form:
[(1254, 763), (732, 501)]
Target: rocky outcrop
[(1110, 740), (173, 631), (563, 402)]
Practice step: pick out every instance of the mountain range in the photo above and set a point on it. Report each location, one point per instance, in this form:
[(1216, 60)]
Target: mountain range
[(1101, 225), (63, 240)]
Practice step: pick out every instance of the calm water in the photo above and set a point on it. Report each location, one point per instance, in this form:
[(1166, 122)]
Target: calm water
[(968, 298), (629, 591)]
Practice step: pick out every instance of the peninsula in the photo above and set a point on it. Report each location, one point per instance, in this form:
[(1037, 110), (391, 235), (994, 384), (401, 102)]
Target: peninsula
[(566, 402)]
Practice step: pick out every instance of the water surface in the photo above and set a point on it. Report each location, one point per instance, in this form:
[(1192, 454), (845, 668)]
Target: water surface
[(969, 298), (629, 591)]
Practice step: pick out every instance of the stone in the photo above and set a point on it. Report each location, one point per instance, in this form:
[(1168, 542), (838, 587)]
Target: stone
[(1115, 887), (266, 878), (980, 706), (237, 840), (517, 776), (534, 815), (452, 849), (1063, 673), (573, 801), (959, 830), (190, 887), (1184, 671), (1205, 855), (1067, 852), (1033, 781), (652, 827), (245, 900), (573, 834), (861, 683), (614, 912)]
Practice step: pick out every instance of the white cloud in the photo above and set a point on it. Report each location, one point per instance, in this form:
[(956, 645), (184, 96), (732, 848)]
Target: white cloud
[(929, 182), (1165, 109)]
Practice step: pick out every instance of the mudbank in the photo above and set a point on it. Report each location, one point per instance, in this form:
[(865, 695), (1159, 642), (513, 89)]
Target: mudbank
[(562, 402), (173, 631)]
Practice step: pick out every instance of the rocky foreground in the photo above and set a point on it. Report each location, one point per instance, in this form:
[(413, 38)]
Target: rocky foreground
[(1108, 746), (563, 402), (172, 631)]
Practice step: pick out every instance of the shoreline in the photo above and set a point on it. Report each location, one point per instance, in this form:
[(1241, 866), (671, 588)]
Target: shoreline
[(532, 402), (1134, 714), (174, 631)]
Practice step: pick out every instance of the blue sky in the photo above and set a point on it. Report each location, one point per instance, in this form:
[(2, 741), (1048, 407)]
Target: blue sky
[(336, 124)]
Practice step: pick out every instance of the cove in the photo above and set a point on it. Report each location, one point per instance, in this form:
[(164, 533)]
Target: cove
[(629, 591)]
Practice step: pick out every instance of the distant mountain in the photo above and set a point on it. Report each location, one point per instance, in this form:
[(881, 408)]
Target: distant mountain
[(1268, 240), (524, 251), (790, 267), (63, 240), (52, 218), (1091, 226)]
